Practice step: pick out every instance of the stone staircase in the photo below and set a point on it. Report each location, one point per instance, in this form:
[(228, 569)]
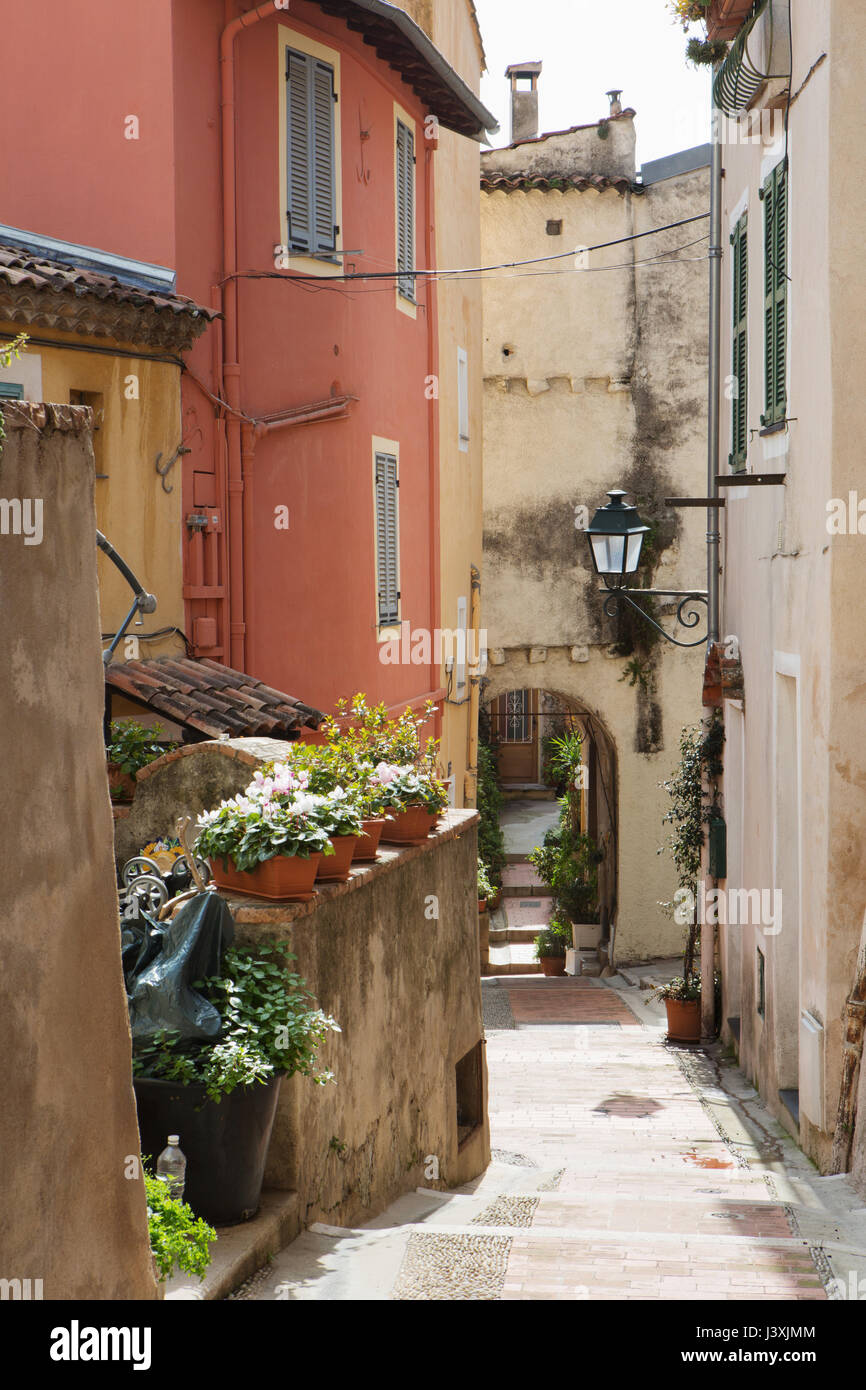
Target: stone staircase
[(524, 910)]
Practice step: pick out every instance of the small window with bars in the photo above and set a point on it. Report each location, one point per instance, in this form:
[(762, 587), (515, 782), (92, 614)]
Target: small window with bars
[(405, 180), (387, 540), (310, 156)]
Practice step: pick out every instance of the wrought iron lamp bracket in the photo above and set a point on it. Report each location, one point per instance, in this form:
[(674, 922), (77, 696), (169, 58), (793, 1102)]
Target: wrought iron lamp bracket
[(687, 614)]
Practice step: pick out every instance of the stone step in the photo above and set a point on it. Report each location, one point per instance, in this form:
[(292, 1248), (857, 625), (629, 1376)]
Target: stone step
[(527, 890), (502, 936)]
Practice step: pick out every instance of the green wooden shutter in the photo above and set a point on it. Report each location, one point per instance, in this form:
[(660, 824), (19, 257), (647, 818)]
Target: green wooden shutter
[(775, 194), (387, 540), (740, 364), (405, 179), (310, 155)]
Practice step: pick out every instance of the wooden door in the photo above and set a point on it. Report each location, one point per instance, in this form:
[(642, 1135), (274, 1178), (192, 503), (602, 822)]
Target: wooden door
[(515, 721)]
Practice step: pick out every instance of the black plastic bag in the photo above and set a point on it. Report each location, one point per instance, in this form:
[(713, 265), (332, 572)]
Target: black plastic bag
[(159, 988)]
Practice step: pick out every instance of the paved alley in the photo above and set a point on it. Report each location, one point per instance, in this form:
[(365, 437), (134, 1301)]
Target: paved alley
[(623, 1168)]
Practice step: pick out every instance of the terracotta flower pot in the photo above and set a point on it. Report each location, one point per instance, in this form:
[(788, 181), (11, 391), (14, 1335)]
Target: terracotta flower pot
[(120, 784), (725, 18), (482, 904), (553, 965), (334, 868), (409, 827), (684, 1020), (368, 843), (287, 878)]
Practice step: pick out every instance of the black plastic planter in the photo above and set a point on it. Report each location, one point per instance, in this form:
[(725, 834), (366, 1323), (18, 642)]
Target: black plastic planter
[(225, 1144)]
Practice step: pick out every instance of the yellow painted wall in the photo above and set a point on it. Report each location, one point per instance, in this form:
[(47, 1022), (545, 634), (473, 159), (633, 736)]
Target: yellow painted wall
[(142, 521), (458, 243)]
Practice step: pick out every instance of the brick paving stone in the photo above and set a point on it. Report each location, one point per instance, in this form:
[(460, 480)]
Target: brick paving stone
[(667, 1210)]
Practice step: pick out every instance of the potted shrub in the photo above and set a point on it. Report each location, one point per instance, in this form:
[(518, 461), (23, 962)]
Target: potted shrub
[(179, 1240), (414, 797), (371, 793), (550, 948), (682, 998), (220, 1095), (131, 747), (485, 887), (269, 842)]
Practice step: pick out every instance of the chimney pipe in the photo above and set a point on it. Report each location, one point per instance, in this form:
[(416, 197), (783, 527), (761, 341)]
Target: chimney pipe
[(524, 100), (615, 104)]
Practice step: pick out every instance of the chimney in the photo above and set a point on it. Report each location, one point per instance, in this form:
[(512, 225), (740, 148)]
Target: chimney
[(615, 104), (524, 100)]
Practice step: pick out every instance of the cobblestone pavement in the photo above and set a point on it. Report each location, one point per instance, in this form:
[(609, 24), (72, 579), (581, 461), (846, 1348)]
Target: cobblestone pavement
[(623, 1169)]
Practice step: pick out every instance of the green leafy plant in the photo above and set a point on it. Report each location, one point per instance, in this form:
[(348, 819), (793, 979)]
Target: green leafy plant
[(550, 943), (694, 793), (640, 673), (485, 888), (407, 786), (364, 733), (706, 52), (270, 1026), (686, 990), (567, 861), (8, 353), (132, 745), (179, 1240), (689, 12), (491, 840)]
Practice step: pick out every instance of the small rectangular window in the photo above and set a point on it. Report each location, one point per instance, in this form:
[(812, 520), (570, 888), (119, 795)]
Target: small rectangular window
[(554, 227), (463, 400), (387, 540), (311, 176), (405, 183), (11, 391), (460, 662)]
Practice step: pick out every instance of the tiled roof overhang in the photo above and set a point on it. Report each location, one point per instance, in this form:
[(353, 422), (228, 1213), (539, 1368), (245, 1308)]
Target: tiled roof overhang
[(55, 294), (209, 699), (401, 43), (565, 183)]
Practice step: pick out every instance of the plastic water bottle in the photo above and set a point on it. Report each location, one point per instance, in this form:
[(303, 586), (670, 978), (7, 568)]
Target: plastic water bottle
[(171, 1167)]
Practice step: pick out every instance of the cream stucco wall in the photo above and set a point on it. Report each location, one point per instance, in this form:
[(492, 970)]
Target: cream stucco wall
[(791, 590), (458, 243), (142, 521), (596, 379)]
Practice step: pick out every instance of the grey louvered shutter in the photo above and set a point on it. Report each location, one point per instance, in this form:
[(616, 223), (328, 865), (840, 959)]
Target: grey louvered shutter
[(740, 364), (322, 172), (387, 540), (405, 177), (310, 155), (298, 151)]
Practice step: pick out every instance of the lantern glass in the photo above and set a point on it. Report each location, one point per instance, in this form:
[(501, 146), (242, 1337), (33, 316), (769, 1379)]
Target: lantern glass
[(616, 535)]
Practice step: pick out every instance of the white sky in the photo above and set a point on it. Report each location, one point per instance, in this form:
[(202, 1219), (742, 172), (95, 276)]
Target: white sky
[(588, 46)]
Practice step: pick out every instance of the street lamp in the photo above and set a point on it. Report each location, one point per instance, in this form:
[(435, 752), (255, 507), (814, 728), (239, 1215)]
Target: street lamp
[(616, 534)]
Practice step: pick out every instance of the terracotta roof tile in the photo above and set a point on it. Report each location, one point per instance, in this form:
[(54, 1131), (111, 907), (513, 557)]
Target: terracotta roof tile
[(209, 698), (565, 183)]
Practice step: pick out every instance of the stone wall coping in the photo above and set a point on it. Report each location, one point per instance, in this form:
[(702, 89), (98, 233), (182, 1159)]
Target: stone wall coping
[(256, 911), (240, 748)]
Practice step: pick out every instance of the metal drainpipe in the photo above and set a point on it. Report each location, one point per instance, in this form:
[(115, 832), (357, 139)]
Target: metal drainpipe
[(470, 784), (231, 368), (708, 934), (431, 145)]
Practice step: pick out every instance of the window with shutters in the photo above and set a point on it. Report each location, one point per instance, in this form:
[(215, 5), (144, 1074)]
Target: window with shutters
[(463, 400), (775, 196), (405, 194), (387, 539), (740, 362), (310, 152)]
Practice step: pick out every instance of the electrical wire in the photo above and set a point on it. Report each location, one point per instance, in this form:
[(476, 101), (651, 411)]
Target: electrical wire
[(438, 274)]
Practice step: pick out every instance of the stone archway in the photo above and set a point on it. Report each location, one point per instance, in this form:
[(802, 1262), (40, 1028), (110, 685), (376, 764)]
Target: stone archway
[(521, 718)]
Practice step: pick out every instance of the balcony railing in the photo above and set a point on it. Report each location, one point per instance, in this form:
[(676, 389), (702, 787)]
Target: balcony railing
[(760, 52)]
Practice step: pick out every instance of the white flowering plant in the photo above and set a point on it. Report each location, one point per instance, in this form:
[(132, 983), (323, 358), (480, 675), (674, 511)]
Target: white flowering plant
[(405, 786)]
